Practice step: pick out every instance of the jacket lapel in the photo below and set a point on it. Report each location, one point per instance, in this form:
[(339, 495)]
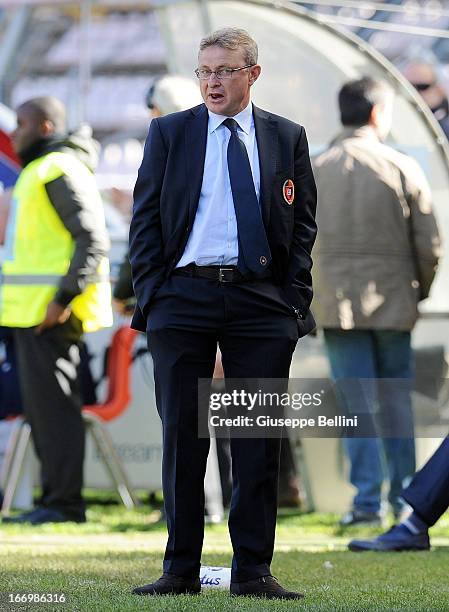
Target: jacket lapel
[(267, 137), (195, 153)]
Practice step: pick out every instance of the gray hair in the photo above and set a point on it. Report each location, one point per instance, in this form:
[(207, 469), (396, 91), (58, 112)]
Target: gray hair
[(232, 38)]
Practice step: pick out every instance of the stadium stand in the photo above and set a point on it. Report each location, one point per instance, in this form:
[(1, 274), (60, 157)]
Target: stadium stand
[(127, 51), (398, 47)]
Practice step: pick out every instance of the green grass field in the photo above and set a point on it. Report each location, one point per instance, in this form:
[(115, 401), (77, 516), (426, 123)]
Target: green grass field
[(96, 565)]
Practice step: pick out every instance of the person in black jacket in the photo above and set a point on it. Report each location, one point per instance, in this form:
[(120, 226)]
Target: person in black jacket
[(167, 94), (222, 230)]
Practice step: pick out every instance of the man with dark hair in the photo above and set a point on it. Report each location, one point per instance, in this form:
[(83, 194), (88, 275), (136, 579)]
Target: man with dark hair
[(357, 99), (375, 259), (220, 248), (55, 286)]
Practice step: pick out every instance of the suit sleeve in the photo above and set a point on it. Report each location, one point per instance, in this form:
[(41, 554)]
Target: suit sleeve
[(425, 237), (299, 278), (145, 236)]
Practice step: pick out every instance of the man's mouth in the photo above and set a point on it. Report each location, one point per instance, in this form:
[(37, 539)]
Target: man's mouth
[(216, 96)]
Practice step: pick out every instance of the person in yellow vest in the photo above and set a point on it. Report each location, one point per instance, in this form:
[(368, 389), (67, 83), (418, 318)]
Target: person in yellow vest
[(54, 286)]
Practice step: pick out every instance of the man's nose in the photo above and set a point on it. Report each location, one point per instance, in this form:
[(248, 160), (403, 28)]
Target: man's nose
[(213, 79)]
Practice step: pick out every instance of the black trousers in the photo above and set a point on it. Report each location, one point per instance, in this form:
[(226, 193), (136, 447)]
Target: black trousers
[(48, 373), (257, 333), (428, 492)]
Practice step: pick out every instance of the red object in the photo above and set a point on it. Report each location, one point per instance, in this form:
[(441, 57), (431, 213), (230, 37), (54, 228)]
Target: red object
[(118, 376), (288, 191), (7, 148)]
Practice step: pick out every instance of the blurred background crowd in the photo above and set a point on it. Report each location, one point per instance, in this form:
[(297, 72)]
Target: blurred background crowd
[(114, 65), (125, 47)]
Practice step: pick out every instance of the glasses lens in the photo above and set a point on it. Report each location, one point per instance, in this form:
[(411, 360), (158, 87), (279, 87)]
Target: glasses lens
[(224, 74), (422, 86), (203, 74)]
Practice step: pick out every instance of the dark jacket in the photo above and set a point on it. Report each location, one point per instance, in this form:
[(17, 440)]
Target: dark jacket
[(167, 192), (123, 288)]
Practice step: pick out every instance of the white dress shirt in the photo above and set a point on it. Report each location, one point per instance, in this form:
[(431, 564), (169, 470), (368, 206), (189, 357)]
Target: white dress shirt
[(213, 239)]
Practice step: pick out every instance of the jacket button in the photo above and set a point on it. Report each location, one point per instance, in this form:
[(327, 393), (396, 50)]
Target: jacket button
[(298, 313)]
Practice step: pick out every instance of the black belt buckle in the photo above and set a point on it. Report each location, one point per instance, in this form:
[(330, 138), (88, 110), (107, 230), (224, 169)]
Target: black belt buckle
[(222, 275)]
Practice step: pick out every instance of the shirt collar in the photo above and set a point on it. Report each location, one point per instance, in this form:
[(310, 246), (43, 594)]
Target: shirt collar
[(365, 132), (244, 118)]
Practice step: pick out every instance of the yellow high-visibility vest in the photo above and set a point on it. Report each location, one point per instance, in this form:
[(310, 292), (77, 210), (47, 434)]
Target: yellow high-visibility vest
[(38, 250)]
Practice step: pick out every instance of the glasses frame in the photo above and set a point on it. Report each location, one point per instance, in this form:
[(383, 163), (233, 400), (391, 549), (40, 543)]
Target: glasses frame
[(424, 86), (232, 70)]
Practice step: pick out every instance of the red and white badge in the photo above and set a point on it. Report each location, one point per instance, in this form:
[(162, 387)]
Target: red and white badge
[(288, 191)]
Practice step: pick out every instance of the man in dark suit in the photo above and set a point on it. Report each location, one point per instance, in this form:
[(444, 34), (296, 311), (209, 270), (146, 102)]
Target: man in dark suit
[(222, 229), (428, 495)]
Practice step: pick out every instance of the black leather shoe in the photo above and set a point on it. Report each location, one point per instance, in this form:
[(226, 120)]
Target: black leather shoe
[(39, 516), (267, 587), (170, 584)]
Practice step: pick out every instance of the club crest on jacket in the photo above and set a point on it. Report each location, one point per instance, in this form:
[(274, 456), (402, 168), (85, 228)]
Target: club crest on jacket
[(288, 191)]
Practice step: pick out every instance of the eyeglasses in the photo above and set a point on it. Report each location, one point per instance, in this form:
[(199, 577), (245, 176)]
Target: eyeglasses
[(423, 86), (223, 73)]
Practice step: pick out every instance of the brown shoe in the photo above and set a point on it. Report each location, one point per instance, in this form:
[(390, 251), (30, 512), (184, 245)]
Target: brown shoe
[(267, 587), (170, 584)]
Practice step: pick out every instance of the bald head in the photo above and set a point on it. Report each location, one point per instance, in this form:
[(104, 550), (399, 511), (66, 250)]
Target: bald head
[(419, 72), (49, 109), (37, 119)]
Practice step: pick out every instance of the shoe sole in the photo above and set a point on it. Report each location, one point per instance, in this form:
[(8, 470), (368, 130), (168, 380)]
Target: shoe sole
[(266, 596), (353, 548), (362, 524), (153, 594), (165, 594)]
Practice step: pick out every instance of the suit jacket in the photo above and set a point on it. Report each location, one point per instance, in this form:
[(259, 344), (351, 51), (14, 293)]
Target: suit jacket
[(167, 192)]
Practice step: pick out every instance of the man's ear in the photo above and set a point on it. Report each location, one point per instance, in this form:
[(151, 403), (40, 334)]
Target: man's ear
[(47, 128), (254, 73), (374, 116)]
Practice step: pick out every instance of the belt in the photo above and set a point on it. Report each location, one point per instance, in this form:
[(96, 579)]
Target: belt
[(222, 274)]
